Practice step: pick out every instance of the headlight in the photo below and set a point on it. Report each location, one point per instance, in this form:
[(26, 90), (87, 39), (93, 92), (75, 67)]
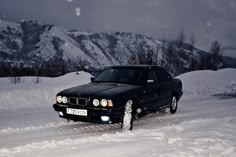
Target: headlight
[(64, 100), (104, 102), (59, 99), (95, 102)]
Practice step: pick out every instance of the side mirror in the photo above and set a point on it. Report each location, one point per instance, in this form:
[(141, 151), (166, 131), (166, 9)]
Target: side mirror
[(169, 77), (150, 81), (92, 79)]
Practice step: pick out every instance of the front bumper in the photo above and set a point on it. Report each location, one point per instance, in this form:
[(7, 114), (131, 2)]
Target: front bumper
[(93, 114)]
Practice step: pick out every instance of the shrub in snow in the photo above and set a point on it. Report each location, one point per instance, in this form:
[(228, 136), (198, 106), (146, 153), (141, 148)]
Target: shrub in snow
[(37, 80), (15, 80)]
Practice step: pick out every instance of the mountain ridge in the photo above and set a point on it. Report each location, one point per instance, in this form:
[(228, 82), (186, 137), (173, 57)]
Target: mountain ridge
[(34, 45)]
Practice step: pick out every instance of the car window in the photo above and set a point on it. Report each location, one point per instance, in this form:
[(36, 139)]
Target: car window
[(163, 76), (122, 75), (106, 75), (152, 76)]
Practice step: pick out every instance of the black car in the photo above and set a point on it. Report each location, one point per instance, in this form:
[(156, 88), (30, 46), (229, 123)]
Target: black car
[(120, 94)]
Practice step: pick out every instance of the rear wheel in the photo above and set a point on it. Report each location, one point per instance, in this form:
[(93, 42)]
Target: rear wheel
[(127, 120), (173, 104)]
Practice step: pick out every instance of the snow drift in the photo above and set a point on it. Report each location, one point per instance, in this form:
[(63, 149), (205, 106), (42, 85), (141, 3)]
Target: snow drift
[(204, 124), (29, 94)]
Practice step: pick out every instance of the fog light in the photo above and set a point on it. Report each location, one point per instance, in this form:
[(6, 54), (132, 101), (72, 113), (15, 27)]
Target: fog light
[(139, 110), (61, 113), (105, 118)]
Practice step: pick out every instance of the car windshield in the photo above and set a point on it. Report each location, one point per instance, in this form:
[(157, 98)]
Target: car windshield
[(122, 75)]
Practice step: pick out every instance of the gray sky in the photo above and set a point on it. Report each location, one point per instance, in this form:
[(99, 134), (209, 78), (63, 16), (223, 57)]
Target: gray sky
[(206, 19)]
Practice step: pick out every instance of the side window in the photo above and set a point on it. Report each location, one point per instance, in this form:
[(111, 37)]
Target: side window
[(152, 76), (163, 75)]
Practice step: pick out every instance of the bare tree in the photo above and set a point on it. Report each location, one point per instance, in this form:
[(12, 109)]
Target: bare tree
[(216, 48), (181, 38), (133, 59), (37, 80), (15, 80), (163, 44), (169, 52), (163, 48), (149, 56), (215, 57), (192, 42), (192, 62)]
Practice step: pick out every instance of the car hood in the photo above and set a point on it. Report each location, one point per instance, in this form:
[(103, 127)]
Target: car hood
[(99, 90)]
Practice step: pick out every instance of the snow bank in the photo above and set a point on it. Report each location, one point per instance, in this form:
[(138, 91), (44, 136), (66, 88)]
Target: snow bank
[(28, 94), (209, 82), (202, 127)]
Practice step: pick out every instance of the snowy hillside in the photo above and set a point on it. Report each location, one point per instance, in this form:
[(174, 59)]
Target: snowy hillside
[(59, 50), (33, 43), (204, 124)]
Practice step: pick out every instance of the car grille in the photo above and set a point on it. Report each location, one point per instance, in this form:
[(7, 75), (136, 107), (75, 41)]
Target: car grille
[(78, 101)]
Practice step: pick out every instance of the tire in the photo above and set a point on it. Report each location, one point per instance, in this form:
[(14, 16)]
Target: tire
[(127, 120), (173, 104)]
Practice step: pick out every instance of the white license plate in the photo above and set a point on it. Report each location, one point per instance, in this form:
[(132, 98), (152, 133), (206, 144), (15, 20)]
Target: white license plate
[(78, 112)]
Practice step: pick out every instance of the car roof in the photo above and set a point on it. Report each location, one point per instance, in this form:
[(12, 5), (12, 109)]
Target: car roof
[(136, 66)]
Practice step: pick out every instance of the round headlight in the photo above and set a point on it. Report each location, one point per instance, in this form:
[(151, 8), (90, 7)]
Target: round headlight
[(59, 99), (104, 102), (95, 102), (64, 99)]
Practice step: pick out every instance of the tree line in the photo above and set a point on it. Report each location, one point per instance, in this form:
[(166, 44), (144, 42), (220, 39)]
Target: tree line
[(174, 51)]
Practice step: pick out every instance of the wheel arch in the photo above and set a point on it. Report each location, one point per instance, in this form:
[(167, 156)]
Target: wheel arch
[(175, 93)]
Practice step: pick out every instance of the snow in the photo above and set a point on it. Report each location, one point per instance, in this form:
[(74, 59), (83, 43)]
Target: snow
[(77, 11), (46, 49), (29, 94), (14, 27), (209, 82), (4, 24), (204, 124)]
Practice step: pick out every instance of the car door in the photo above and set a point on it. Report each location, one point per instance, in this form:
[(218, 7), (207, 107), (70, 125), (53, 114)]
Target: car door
[(152, 91), (165, 82)]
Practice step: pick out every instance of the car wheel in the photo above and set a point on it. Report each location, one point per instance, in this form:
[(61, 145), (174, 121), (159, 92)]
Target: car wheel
[(127, 120), (173, 104)]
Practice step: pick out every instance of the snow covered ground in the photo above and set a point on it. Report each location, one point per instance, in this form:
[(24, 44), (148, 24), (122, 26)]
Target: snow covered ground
[(204, 124)]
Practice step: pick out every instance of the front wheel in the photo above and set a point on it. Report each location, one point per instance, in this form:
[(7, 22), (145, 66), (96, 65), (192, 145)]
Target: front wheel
[(173, 104), (127, 120)]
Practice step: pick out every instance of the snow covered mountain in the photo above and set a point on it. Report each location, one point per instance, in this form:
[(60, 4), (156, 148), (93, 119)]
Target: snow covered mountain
[(31, 44)]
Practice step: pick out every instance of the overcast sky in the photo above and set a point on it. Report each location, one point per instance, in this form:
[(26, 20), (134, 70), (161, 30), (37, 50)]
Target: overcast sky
[(208, 20)]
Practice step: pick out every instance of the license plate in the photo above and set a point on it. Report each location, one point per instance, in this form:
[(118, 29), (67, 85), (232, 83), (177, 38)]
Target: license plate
[(78, 112)]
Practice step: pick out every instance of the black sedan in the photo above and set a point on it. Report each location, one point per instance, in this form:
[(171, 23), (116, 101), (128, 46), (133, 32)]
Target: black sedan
[(120, 94)]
